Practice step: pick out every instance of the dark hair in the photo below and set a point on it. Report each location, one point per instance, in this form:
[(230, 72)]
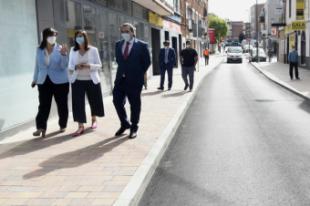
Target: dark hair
[(47, 32), (188, 42), (76, 45), (166, 42)]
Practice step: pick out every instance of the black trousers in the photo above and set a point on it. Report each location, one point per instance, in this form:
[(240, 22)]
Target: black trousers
[(94, 96), (188, 73), (163, 70), (294, 66), (206, 60), (46, 92), (120, 92)]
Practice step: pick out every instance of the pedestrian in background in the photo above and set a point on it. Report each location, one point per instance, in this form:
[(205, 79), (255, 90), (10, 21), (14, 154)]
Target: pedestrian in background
[(133, 59), (293, 61), (84, 66), (167, 60), (206, 56), (51, 77), (189, 59)]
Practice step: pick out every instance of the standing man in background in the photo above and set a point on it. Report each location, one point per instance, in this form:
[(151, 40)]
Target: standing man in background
[(133, 59), (167, 60), (293, 61), (189, 59)]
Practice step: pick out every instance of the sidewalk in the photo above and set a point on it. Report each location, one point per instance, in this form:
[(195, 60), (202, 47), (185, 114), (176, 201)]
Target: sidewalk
[(279, 73), (96, 168)]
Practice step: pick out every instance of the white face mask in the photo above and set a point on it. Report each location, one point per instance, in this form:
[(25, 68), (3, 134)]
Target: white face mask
[(51, 40), (126, 36)]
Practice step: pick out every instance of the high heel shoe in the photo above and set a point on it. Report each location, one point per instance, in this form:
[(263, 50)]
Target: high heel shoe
[(39, 132), (79, 132), (94, 125)]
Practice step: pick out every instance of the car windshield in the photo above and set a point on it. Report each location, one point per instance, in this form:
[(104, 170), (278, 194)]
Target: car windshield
[(235, 50)]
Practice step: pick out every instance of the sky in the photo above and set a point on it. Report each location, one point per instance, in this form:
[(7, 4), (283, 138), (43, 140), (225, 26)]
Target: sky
[(234, 10)]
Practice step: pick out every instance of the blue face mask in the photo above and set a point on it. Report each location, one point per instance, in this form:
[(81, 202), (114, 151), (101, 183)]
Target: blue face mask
[(80, 40)]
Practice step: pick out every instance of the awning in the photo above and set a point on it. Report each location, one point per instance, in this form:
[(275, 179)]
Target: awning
[(158, 6)]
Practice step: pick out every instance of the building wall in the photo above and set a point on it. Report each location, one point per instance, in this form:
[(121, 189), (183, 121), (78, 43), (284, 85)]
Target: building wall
[(254, 21)]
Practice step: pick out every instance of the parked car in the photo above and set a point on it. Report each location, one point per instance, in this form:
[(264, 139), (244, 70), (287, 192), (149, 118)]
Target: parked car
[(262, 57), (234, 54)]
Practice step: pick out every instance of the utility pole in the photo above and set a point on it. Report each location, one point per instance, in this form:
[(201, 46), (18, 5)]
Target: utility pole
[(257, 21)]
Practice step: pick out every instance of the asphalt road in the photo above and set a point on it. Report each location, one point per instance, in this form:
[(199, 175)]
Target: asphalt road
[(244, 141)]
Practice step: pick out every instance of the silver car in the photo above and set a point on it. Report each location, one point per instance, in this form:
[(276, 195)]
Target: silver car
[(234, 54)]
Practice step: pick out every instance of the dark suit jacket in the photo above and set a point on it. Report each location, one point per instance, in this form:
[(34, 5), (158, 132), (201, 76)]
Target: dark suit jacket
[(171, 57), (135, 66)]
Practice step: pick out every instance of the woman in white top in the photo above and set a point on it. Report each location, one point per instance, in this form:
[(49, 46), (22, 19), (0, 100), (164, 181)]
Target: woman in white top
[(84, 66)]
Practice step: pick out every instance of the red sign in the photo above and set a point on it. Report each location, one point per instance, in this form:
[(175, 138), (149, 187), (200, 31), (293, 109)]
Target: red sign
[(211, 33)]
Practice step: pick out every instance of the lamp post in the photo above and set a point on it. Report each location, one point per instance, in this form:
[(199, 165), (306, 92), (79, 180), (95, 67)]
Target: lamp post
[(256, 19)]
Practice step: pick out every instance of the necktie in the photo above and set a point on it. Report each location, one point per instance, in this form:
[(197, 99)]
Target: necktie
[(126, 51)]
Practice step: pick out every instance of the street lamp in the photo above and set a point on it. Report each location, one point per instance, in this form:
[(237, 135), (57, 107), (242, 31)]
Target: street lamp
[(256, 19)]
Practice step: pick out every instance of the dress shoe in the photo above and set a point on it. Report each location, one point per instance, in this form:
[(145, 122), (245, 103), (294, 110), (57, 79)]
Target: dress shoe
[(121, 130), (39, 132), (79, 132), (160, 88), (133, 134), (186, 86), (169, 88)]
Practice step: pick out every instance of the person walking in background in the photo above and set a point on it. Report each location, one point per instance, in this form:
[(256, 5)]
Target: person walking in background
[(189, 59), (167, 60), (133, 59), (51, 77), (206, 56), (293, 61), (84, 66)]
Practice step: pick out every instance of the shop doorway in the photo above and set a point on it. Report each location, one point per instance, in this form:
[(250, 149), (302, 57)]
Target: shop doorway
[(155, 50), (303, 48)]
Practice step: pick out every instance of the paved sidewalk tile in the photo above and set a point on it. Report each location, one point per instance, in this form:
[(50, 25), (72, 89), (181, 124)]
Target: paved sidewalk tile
[(281, 73), (92, 169)]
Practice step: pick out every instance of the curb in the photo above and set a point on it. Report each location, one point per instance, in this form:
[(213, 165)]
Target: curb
[(134, 190), (280, 82)]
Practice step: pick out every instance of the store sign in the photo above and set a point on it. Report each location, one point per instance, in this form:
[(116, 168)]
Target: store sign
[(171, 26), (295, 26), (292, 41), (300, 7), (155, 19)]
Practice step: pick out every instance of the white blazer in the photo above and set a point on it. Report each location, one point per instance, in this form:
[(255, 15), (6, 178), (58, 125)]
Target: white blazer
[(93, 60)]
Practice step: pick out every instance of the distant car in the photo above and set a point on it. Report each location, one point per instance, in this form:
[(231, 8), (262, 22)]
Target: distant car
[(234, 54), (262, 57), (247, 48)]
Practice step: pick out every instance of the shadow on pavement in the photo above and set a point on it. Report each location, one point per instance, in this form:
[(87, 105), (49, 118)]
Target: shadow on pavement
[(152, 93), (76, 158), (175, 94), (305, 105), (38, 144)]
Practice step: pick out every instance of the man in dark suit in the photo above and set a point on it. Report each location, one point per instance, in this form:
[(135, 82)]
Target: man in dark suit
[(167, 61), (133, 59)]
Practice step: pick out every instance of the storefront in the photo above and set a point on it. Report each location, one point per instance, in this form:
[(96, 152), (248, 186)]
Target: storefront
[(18, 40)]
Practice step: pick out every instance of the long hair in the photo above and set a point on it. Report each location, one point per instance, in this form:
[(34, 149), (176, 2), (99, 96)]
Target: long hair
[(76, 45), (47, 32)]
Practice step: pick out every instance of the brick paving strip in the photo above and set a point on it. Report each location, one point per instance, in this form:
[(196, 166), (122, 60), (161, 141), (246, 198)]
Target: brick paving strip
[(95, 168)]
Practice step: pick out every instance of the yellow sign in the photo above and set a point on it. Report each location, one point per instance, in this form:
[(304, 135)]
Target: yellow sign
[(155, 19), (295, 26), (300, 7), (292, 41)]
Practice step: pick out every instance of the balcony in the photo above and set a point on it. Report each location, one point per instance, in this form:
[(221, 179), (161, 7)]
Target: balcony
[(160, 7)]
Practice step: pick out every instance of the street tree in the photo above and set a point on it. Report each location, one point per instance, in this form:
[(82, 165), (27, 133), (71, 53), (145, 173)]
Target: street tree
[(219, 25)]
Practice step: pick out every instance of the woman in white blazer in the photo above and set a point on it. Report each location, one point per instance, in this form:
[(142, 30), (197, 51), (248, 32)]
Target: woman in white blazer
[(84, 66)]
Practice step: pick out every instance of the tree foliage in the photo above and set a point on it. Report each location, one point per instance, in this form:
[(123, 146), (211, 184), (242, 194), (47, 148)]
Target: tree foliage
[(219, 25)]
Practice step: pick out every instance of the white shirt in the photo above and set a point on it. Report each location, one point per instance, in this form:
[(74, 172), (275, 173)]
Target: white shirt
[(129, 47), (83, 74)]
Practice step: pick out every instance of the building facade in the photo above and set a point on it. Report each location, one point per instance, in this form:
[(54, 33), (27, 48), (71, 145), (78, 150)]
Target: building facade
[(235, 29), (254, 20), (195, 23), (22, 22)]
